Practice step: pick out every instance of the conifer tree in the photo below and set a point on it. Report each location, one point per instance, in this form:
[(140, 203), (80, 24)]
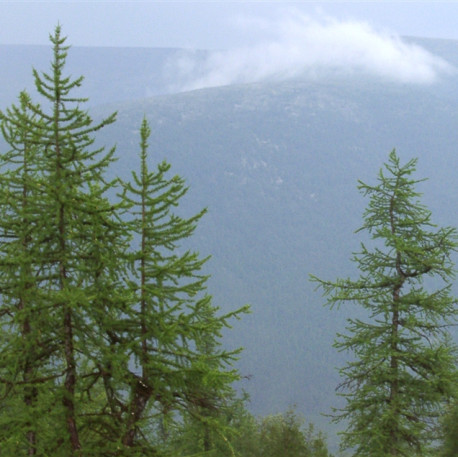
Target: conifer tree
[(73, 171), (404, 366), (23, 347), (58, 220), (174, 315)]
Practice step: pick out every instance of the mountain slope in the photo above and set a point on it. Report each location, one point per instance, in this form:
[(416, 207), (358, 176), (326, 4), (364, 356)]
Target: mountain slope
[(277, 165)]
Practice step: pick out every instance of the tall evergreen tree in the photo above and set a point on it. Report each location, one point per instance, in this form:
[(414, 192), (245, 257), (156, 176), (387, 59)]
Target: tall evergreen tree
[(404, 364), (75, 201), (173, 319), (61, 206), (24, 350)]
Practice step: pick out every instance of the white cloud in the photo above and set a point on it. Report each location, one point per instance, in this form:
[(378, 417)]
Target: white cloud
[(298, 45)]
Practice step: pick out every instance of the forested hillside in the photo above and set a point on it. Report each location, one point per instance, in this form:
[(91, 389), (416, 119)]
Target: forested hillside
[(277, 166)]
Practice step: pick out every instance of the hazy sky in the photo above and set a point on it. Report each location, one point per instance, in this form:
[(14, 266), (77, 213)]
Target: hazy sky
[(210, 24), (251, 41)]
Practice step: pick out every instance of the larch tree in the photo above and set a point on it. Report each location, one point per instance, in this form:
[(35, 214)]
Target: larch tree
[(173, 316), (75, 204), (58, 205), (403, 371), (24, 344)]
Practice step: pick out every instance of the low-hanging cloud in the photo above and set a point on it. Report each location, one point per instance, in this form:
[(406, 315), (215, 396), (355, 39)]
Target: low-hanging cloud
[(299, 45)]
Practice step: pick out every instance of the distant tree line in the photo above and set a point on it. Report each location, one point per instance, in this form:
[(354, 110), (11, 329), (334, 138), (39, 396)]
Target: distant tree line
[(110, 344)]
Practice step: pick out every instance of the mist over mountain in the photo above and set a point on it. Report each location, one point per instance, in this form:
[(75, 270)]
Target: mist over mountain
[(299, 45), (299, 48), (276, 162)]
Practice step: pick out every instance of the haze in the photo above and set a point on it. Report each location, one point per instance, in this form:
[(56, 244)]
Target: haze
[(251, 41), (206, 25)]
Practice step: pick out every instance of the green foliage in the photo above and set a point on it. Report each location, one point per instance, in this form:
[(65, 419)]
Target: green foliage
[(404, 366), (57, 244), (449, 426), (172, 329), (244, 435), (284, 435), (101, 338)]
